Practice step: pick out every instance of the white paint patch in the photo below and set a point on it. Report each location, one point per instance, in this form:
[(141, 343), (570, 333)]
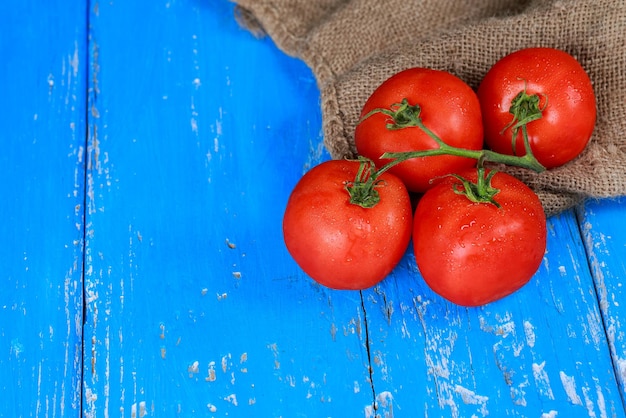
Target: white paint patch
[(194, 115), (232, 398), (621, 367), (405, 329), (588, 402), (569, 384), (529, 330), (16, 347), (505, 328), (90, 399), (138, 411), (74, 61), (218, 129), (225, 362), (193, 368), (600, 401), (383, 400), (470, 397), (379, 360), (542, 380), (596, 330)]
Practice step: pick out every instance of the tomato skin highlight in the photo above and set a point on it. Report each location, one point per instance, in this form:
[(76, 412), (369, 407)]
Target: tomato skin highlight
[(566, 97), (476, 253), (449, 108), (339, 244)]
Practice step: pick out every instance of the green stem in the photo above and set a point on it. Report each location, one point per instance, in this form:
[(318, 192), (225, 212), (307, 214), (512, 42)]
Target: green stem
[(527, 161), (363, 191), (409, 117)]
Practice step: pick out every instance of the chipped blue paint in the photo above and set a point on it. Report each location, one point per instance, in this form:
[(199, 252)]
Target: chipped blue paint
[(42, 131), (150, 148)]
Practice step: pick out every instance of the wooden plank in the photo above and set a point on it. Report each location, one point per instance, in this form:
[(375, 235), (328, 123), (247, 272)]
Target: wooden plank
[(540, 352), (42, 131), (198, 132), (604, 229)]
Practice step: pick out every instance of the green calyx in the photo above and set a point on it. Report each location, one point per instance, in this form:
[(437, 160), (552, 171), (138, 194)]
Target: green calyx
[(362, 190), (403, 115), (480, 192), (525, 109)]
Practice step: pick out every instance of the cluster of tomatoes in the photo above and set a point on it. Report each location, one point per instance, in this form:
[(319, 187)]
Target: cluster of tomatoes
[(425, 143)]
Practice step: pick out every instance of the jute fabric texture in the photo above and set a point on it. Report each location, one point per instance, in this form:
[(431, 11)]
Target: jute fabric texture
[(352, 46)]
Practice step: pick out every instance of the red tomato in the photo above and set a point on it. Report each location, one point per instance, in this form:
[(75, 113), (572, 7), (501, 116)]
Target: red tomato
[(343, 245), (449, 108), (475, 253), (563, 93)]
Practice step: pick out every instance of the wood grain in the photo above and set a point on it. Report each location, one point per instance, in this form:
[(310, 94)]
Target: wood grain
[(42, 133), (193, 304), (604, 230), (539, 352)]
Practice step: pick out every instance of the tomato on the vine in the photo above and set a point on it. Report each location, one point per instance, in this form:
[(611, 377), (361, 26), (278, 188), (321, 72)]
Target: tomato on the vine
[(446, 105), (548, 89), (335, 239), (473, 253)]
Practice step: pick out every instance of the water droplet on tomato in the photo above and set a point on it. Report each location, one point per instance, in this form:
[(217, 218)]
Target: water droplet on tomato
[(472, 223)]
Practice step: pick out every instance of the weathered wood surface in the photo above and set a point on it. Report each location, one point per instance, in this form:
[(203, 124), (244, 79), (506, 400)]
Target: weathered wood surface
[(183, 135), (42, 138)]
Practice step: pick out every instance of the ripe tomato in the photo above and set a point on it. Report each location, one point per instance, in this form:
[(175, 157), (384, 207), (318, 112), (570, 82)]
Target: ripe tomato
[(449, 108), (475, 253), (563, 94), (340, 244)]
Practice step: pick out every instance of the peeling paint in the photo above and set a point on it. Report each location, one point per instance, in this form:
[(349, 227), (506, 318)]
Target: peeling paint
[(138, 410), (193, 368), (569, 384), (211, 376), (542, 380), (471, 398), (529, 331), (232, 398)]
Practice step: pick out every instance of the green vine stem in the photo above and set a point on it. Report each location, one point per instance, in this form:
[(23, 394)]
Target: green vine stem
[(405, 115)]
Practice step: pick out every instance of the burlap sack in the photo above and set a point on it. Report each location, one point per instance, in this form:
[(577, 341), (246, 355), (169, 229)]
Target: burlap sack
[(354, 45)]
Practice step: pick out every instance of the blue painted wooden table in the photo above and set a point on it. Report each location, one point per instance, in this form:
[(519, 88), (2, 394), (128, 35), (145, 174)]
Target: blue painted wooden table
[(148, 151)]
